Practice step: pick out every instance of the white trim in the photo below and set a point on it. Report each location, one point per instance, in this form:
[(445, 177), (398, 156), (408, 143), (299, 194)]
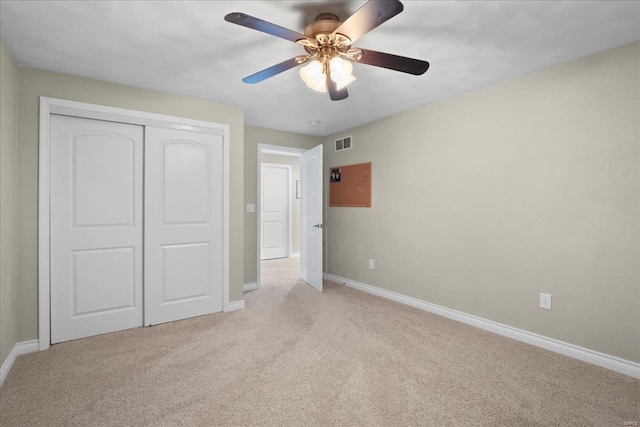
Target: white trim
[(17, 350), (234, 305), (295, 255), (44, 280), (280, 153), (50, 106), (280, 150), (251, 286), (590, 356), (259, 216), (123, 115), (226, 246), (290, 200)]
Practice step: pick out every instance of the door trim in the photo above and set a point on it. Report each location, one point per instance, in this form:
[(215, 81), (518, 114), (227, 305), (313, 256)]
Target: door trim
[(64, 107), (290, 194), (268, 149)]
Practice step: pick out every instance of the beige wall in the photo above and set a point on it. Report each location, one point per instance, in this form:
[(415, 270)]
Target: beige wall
[(35, 83), (294, 162), (252, 137), (8, 186), (484, 200)]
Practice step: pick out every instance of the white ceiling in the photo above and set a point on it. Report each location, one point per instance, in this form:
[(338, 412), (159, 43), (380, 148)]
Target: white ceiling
[(186, 47)]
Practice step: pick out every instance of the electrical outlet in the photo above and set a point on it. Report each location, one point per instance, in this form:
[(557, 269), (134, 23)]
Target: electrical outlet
[(545, 301), (371, 264)]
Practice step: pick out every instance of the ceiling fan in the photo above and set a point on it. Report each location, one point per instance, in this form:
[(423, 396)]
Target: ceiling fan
[(328, 43)]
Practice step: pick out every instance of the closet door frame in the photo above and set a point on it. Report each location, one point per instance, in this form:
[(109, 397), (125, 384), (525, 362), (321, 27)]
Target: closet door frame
[(64, 107)]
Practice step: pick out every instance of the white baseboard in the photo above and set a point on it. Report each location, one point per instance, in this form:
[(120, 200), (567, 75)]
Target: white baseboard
[(590, 356), (250, 286), (295, 255), (235, 305), (18, 349)]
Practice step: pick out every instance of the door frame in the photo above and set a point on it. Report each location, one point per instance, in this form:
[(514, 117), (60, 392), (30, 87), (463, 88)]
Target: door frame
[(280, 150), (289, 170), (64, 107)]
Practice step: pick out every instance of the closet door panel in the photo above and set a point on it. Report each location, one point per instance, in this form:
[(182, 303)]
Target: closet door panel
[(183, 224), (187, 184), (96, 227)]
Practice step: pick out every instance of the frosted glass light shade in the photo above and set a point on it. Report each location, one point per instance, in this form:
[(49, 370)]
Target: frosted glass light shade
[(313, 76), (341, 72)]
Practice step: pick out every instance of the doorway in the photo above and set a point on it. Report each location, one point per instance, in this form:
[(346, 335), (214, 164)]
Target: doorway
[(306, 194), (289, 158)]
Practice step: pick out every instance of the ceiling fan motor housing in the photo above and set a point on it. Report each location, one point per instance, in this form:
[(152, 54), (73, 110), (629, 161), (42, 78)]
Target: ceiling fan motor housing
[(327, 44), (325, 23)]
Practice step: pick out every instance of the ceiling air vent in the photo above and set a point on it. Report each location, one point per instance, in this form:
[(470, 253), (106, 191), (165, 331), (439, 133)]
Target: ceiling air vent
[(343, 143)]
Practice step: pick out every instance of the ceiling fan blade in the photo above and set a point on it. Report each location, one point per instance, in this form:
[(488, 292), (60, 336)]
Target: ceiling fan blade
[(334, 93), (368, 17), (264, 26), (393, 62), (273, 70)]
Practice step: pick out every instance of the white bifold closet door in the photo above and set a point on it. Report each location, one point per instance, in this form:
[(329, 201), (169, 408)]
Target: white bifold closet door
[(132, 247), (183, 224), (96, 227)]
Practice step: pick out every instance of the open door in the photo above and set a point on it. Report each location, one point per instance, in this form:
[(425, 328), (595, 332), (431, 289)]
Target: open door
[(311, 210)]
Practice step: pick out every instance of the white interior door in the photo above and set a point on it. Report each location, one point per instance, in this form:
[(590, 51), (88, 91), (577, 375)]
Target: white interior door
[(311, 210), (96, 227), (274, 212), (183, 224)]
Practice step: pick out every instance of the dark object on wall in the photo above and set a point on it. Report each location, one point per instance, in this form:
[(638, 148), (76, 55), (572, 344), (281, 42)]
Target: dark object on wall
[(335, 175), (350, 186)]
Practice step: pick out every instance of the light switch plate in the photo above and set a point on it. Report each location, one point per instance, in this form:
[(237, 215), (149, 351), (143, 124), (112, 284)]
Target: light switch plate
[(545, 301), (251, 208)]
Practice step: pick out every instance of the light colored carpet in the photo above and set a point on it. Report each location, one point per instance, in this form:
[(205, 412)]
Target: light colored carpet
[(298, 357)]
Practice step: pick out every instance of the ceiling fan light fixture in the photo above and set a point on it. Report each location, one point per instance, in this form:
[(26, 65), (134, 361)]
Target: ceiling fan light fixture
[(328, 42), (313, 76), (341, 72)]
